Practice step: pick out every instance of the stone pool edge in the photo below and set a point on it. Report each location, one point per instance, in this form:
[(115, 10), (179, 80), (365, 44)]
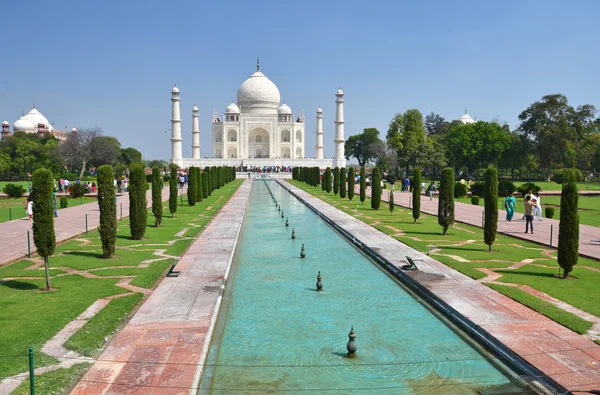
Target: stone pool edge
[(544, 369)]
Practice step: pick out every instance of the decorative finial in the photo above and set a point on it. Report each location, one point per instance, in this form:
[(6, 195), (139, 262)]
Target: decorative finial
[(33, 105), (282, 214), (351, 346), (293, 233), (287, 223), (302, 252), (257, 64), (319, 282), (465, 110)]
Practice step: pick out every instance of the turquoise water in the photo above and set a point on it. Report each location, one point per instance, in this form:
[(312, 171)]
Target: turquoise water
[(276, 333)]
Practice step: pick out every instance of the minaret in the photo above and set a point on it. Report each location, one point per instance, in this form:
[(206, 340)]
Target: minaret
[(339, 159), (319, 146), (195, 134), (176, 149)]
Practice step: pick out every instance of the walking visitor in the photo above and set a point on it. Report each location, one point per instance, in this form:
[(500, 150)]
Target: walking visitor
[(538, 208), (29, 206), (509, 204), (529, 206)]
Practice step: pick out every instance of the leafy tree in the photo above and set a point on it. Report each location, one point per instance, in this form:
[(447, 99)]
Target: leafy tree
[(376, 189), (108, 210), (157, 207), (328, 179), (491, 207), (192, 191), (563, 176), (161, 164), (351, 176), (406, 135), (434, 123), (23, 153), (89, 146), (343, 183), (446, 200), (43, 217), (363, 146), (391, 202), (416, 195), (173, 190), (336, 180), (130, 155), (138, 205), (568, 233), (363, 184)]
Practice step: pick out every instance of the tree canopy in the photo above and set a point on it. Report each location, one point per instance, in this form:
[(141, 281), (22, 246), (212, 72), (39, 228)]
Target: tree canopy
[(364, 146)]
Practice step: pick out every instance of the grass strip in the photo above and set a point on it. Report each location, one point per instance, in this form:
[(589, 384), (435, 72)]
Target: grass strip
[(55, 382)]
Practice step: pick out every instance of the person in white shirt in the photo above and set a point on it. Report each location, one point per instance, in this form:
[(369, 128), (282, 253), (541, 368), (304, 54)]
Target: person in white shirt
[(538, 208)]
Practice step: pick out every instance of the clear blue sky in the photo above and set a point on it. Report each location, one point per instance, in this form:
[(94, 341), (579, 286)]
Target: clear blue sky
[(113, 63)]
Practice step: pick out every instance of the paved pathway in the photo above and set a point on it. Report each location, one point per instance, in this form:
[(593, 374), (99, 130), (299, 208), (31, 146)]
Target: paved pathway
[(162, 348), (70, 223), (589, 236), (568, 358)]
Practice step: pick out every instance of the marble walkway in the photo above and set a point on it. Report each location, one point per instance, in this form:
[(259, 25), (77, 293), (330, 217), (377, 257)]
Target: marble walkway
[(162, 348), (570, 359), (589, 236), (69, 223)]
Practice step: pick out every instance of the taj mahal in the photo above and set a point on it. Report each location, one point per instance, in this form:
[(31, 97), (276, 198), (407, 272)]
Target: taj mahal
[(258, 130)]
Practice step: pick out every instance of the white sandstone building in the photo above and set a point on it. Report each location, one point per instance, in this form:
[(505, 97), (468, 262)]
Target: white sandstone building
[(34, 122), (466, 118), (257, 131)]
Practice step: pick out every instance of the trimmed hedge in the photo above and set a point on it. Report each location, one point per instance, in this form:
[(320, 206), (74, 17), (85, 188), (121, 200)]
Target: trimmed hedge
[(64, 202), (351, 175), (336, 180), (157, 207), (460, 190), (192, 180), (328, 179), (363, 184), (491, 207), (568, 233), (199, 192), (475, 200), (446, 200), (416, 195), (138, 205), (173, 190), (549, 212), (343, 183), (44, 238), (108, 210), (376, 189)]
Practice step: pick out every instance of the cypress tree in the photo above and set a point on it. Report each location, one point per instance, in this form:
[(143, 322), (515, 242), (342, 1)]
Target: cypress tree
[(324, 181), (336, 180), (391, 202), (376, 188), (44, 238), (446, 200), (157, 208), (192, 188), (568, 233), (220, 177), (491, 206), (416, 195), (198, 184), (204, 177), (317, 176), (328, 179), (108, 210), (351, 182), (343, 183), (211, 180), (138, 205), (363, 184), (173, 191)]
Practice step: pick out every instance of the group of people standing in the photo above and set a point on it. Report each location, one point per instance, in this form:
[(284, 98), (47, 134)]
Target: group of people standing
[(533, 208)]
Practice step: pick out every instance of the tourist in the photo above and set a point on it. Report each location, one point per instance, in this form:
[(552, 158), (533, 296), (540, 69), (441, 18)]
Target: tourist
[(431, 190), (538, 208), (509, 204), (525, 199), (29, 206), (125, 184), (54, 202), (530, 204), (94, 187), (119, 184)]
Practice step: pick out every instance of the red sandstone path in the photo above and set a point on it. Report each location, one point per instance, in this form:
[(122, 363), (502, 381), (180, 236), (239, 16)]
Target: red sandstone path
[(589, 236), (70, 223), (162, 348)]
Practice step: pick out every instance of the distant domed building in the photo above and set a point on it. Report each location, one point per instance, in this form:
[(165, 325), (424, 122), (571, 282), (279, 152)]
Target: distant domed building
[(466, 118), (258, 130), (33, 122)]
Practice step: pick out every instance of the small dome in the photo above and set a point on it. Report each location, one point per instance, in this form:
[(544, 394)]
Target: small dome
[(285, 109), (24, 125), (195, 108), (258, 94), (175, 90), (466, 119), (232, 109), (74, 130), (5, 123), (339, 92), (319, 110), (35, 117)]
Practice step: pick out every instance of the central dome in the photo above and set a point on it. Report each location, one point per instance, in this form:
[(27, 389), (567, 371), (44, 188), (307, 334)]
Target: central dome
[(258, 95)]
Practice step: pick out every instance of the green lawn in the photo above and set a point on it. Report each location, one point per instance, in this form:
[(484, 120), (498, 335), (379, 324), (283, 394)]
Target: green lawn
[(464, 242), (15, 208), (31, 317)]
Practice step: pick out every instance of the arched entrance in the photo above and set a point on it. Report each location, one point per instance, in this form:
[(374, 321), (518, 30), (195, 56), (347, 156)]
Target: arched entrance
[(258, 143)]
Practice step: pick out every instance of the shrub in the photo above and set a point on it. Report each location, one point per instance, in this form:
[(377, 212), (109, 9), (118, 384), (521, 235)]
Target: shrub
[(363, 184), (328, 179), (64, 202), (549, 211), (336, 180), (376, 189), (192, 192), (157, 196), (568, 228), (209, 180), (138, 205), (351, 176), (14, 191), (506, 188), (108, 210), (475, 200), (416, 195), (166, 178), (491, 207), (562, 176), (44, 237), (343, 183), (446, 200), (199, 191), (528, 186), (391, 202), (77, 190), (173, 190), (478, 189), (460, 190), (148, 178), (204, 179)]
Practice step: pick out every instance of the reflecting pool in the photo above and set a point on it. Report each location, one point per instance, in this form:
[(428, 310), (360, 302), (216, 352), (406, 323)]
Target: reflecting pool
[(276, 333)]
